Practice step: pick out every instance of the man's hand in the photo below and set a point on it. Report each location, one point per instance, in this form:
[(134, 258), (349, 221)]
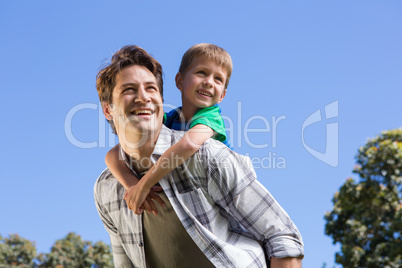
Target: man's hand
[(286, 263), (139, 199)]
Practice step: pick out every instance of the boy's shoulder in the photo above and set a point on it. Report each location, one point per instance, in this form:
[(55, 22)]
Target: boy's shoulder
[(174, 114), (170, 118)]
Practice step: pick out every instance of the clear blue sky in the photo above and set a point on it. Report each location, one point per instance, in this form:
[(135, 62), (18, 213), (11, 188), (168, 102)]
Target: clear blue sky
[(291, 58)]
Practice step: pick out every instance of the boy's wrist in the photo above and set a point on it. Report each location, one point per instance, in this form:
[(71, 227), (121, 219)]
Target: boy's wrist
[(131, 183), (144, 185)]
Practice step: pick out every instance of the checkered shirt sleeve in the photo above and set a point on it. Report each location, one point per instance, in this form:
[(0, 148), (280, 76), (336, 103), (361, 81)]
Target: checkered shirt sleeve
[(234, 186)]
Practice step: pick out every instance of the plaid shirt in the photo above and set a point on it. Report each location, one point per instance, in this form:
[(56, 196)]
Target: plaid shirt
[(232, 218)]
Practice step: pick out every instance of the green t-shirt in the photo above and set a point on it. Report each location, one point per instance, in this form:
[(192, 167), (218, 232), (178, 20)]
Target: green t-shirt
[(209, 116), (212, 118)]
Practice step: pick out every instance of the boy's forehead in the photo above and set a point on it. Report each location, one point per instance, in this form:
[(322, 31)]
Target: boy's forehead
[(207, 62)]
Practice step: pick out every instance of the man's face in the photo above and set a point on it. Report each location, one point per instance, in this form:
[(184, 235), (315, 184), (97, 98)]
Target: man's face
[(136, 104)]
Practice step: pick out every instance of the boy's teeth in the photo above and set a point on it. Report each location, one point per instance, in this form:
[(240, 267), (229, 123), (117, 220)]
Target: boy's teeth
[(203, 93)]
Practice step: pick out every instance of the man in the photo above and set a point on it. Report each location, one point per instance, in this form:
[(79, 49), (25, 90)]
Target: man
[(216, 214)]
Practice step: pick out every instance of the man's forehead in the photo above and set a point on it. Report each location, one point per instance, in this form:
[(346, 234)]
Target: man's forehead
[(135, 74)]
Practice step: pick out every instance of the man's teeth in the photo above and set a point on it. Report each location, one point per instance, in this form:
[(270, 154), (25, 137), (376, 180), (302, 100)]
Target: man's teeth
[(142, 112), (205, 94)]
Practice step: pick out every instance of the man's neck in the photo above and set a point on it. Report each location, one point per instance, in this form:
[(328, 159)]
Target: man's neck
[(139, 157)]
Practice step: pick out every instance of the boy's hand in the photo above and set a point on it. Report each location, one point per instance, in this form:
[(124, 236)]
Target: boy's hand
[(139, 199)]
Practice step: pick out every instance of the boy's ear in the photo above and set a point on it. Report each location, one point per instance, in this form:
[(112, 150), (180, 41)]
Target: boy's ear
[(106, 107), (222, 96), (179, 81)]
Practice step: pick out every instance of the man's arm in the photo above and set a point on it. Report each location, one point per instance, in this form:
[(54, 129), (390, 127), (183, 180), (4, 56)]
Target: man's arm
[(120, 258), (233, 185), (256, 209), (286, 263)]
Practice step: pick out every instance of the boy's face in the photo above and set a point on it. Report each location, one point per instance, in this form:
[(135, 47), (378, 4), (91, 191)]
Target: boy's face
[(202, 84)]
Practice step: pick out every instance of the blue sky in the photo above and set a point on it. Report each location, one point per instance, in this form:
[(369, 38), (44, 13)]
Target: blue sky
[(290, 58)]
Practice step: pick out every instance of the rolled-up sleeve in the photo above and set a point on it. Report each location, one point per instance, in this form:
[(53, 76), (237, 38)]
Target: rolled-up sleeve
[(256, 209), (234, 186)]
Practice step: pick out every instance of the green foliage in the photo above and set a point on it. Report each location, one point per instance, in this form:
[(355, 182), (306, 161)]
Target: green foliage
[(367, 218), (102, 255), (324, 265), (380, 159), (70, 251), (16, 252)]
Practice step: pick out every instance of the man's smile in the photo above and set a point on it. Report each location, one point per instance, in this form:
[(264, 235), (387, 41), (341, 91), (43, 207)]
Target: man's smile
[(142, 111)]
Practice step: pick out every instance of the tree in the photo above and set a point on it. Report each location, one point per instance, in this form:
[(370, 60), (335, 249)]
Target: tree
[(72, 251), (102, 255), (367, 217), (16, 252)]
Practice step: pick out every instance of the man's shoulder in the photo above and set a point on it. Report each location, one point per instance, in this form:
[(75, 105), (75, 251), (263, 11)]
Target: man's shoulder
[(212, 151), (172, 134), (215, 148), (105, 176), (106, 185), (216, 151)]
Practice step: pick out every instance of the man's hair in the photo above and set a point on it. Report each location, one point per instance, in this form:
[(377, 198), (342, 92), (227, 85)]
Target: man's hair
[(211, 52), (125, 57)]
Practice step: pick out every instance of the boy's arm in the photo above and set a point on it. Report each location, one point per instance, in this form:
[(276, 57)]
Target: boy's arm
[(119, 169), (124, 175), (176, 155)]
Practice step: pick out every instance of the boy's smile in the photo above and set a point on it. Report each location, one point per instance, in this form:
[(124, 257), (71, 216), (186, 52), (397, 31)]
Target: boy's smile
[(202, 85)]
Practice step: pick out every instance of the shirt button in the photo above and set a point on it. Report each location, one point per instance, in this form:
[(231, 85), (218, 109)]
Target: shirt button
[(141, 244)]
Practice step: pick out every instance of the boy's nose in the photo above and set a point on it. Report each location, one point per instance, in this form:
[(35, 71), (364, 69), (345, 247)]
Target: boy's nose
[(207, 82)]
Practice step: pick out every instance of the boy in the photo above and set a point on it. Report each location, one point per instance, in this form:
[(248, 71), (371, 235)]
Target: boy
[(203, 78)]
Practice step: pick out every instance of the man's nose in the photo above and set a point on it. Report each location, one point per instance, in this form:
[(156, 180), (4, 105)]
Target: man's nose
[(142, 95)]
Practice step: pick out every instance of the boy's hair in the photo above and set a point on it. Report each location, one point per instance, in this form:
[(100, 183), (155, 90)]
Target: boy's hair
[(211, 52), (125, 57)]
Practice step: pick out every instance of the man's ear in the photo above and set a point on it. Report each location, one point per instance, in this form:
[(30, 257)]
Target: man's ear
[(222, 96), (107, 108), (179, 81)]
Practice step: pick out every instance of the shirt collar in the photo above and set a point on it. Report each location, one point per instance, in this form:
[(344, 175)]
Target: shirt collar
[(163, 143)]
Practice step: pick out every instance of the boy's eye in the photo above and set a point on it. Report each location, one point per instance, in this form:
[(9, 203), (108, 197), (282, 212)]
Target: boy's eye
[(202, 72), (219, 79)]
